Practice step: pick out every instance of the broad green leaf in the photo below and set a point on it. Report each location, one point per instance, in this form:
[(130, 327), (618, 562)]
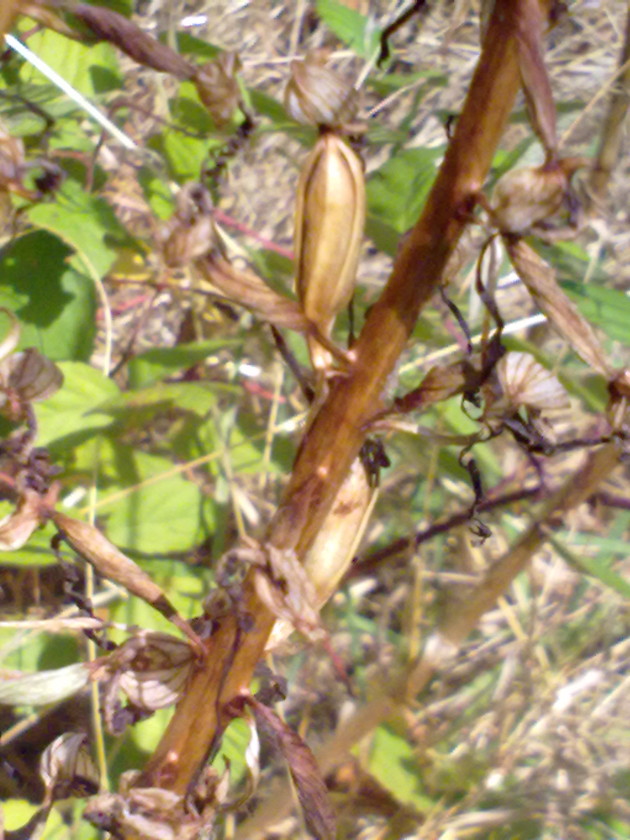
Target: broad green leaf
[(74, 409), (74, 61), (185, 156), (394, 764), (54, 303), (137, 408), (232, 753), (606, 308), (159, 362), (83, 221), (393, 82), (166, 516), (358, 32), (397, 191)]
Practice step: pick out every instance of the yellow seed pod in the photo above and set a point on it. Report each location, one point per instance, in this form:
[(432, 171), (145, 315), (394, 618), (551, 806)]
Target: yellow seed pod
[(329, 220)]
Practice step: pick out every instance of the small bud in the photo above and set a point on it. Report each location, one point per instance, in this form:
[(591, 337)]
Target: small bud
[(317, 95), (525, 197), (67, 767), (329, 219)]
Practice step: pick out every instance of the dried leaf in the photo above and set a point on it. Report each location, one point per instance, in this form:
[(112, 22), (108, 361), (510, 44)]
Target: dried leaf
[(563, 315), (329, 220), (67, 769), (441, 383), (190, 232), (317, 95), (311, 789), (107, 25), (111, 563), (218, 87), (249, 290), (283, 586), (534, 76), (17, 528), (43, 687)]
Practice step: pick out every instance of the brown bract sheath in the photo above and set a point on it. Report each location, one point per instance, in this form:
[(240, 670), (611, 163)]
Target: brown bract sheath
[(337, 432)]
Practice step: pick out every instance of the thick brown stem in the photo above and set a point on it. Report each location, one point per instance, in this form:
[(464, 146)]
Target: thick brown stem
[(336, 434)]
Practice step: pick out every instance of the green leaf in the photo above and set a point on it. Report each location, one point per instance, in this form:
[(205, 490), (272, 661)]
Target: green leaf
[(159, 362), (606, 308), (55, 304), (397, 191), (355, 30), (394, 764), (595, 568), (83, 222), (187, 44), (73, 410), (74, 61), (164, 517)]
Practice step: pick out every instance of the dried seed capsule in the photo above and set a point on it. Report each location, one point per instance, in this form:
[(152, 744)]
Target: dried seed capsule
[(317, 95), (67, 767), (158, 673), (526, 383), (329, 219), (525, 197)]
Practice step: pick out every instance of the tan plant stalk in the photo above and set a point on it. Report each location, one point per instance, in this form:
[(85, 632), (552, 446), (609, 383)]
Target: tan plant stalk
[(337, 432)]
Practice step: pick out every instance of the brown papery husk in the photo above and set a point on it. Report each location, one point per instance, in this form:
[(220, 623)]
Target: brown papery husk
[(107, 25), (563, 315)]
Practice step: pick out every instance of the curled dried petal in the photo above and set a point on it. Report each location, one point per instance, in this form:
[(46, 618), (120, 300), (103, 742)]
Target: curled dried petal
[(526, 383), (158, 673), (67, 767)]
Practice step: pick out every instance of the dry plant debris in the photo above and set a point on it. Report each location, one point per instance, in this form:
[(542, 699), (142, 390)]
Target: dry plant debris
[(483, 702)]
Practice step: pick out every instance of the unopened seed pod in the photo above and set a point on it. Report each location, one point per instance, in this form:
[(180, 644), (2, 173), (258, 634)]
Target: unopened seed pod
[(527, 196), (330, 555), (317, 95), (329, 219)]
